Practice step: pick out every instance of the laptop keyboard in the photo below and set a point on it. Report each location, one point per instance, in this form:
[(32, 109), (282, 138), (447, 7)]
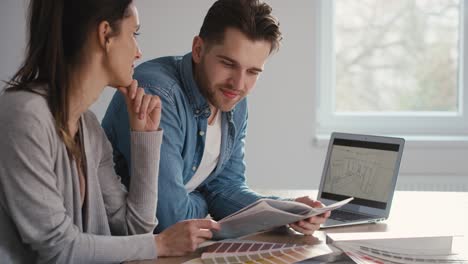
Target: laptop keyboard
[(347, 216)]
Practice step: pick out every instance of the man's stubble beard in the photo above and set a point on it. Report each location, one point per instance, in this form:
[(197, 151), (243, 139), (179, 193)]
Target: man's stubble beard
[(209, 94)]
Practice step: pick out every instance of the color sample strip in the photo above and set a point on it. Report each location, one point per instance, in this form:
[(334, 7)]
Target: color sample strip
[(245, 247), (264, 253), (266, 246), (278, 246), (235, 247), (213, 248), (223, 248)]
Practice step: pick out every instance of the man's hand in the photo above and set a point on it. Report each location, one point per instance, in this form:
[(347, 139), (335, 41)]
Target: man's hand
[(310, 225), (184, 237), (144, 110)]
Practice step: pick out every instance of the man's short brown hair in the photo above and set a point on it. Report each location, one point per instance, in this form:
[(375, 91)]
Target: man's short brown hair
[(251, 17)]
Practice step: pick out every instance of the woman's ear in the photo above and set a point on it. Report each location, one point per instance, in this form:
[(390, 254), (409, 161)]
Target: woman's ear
[(104, 33), (197, 49)]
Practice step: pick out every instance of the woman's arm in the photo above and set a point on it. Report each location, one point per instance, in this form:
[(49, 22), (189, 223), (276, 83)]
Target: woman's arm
[(35, 206), (133, 212)]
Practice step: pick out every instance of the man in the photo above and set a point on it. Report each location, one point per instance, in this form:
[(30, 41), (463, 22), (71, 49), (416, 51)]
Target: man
[(204, 117)]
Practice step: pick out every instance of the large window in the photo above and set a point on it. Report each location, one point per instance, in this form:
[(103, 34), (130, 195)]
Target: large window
[(392, 67)]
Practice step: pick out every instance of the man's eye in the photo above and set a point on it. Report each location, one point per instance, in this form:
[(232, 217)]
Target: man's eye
[(227, 63), (136, 34)]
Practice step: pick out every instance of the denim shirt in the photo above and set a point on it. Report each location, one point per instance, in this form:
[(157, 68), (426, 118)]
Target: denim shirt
[(184, 120)]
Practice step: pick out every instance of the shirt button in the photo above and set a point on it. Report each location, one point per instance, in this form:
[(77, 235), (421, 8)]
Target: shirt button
[(197, 111), (194, 168), (201, 133)]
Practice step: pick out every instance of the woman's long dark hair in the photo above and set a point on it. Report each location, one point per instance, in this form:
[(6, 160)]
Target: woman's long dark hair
[(58, 30)]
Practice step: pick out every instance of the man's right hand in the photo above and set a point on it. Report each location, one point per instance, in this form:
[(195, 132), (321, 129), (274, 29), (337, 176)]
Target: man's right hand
[(184, 237)]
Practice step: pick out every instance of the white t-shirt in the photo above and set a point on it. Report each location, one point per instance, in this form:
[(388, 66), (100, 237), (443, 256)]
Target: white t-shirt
[(210, 154)]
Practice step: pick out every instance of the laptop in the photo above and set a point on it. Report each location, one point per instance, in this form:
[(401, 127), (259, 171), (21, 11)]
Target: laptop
[(364, 167)]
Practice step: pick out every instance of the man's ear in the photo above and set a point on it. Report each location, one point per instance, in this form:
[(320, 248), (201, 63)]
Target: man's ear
[(104, 35), (197, 49)]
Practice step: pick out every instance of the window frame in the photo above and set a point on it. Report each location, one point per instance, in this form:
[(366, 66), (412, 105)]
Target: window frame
[(396, 123)]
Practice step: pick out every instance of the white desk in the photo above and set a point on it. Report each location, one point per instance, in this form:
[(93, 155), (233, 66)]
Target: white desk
[(411, 212)]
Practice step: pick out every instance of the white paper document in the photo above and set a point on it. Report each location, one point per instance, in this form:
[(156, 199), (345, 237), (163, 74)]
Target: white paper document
[(368, 254), (266, 214), (387, 247), (407, 243)]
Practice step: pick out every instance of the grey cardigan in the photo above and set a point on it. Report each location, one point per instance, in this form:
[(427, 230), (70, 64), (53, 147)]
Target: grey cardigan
[(40, 212)]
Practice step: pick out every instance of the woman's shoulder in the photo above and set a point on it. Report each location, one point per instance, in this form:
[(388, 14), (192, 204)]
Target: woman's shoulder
[(26, 118), (19, 106)]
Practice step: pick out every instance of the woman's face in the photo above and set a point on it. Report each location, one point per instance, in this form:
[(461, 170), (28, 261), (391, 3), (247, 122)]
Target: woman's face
[(124, 51)]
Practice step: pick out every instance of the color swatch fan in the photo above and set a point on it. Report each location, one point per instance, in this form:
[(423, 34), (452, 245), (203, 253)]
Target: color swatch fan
[(238, 251)]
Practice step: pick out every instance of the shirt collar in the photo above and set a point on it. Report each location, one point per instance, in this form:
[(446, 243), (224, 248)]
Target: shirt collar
[(198, 102)]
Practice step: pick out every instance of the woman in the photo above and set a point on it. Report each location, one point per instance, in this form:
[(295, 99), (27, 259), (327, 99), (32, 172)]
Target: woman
[(60, 199)]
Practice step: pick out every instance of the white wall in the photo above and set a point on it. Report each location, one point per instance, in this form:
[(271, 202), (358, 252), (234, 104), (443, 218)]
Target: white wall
[(280, 149)]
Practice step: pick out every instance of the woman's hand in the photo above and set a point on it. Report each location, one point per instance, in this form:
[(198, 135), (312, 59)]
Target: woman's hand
[(144, 110), (184, 237)]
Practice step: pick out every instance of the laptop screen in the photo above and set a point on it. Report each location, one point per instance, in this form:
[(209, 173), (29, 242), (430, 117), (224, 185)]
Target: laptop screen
[(361, 169)]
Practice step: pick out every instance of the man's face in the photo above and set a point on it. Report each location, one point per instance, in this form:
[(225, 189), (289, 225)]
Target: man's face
[(227, 72)]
